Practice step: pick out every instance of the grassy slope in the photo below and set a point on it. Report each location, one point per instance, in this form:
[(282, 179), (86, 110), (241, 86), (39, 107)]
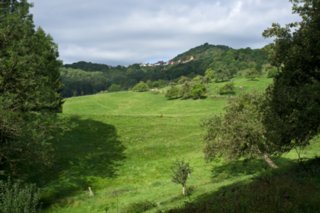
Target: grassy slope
[(122, 145)]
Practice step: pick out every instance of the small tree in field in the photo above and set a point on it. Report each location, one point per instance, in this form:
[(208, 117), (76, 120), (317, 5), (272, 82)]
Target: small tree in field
[(180, 173)]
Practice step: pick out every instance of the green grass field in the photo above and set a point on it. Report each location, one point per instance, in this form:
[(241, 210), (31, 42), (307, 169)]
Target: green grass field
[(123, 144)]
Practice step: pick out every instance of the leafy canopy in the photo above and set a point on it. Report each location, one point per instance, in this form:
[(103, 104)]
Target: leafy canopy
[(293, 116)]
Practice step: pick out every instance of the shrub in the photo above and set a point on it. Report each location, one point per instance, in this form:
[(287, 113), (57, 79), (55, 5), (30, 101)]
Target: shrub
[(227, 89), (251, 74), (139, 207), (183, 79), (140, 87), (198, 90), (185, 92), (114, 88), (173, 93), (17, 198)]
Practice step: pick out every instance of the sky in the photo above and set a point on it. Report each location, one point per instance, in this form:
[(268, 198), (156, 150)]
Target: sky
[(122, 32)]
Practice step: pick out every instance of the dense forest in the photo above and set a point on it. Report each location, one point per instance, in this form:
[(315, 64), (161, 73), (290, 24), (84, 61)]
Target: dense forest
[(83, 78)]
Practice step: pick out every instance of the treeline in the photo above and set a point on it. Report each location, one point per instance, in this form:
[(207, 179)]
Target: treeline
[(84, 78)]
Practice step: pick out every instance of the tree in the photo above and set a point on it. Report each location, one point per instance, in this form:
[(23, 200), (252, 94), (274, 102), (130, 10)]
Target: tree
[(239, 132), (198, 90), (180, 173), (29, 90), (293, 115), (222, 74)]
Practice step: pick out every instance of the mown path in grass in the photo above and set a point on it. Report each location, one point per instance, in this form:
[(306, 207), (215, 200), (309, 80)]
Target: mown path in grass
[(123, 144)]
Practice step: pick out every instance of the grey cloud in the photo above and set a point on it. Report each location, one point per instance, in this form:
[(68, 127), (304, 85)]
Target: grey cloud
[(128, 31)]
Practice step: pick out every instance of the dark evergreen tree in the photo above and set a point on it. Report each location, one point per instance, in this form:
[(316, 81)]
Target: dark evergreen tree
[(29, 89)]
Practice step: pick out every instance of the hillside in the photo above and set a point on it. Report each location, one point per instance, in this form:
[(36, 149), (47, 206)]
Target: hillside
[(193, 62), (123, 144)]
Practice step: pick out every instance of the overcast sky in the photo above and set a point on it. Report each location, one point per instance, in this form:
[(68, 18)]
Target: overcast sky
[(128, 31)]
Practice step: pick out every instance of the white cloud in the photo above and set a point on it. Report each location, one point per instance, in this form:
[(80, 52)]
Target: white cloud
[(128, 31)]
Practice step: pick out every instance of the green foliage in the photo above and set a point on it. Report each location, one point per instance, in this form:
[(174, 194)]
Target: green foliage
[(271, 71), (198, 90), (185, 91), (173, 93), (293, 116), (209, 75), (156, 84), (18, 198), (239, 132), (183, 79), (140, 87), (139, 207), (180, 173), (29, 69), (192, 89), (114, 88), (251, 74), (29, 91), (222, 74), (227, 89), (78, 82)]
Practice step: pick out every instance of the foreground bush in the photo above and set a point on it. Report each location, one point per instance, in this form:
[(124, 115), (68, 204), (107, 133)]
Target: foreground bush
[(18, 198)]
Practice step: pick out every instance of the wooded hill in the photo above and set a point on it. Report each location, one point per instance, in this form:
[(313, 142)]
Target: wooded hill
[(83, 78)]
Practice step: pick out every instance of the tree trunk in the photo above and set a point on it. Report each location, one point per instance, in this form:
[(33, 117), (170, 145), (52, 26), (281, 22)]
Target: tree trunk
[(90, 192), (268, 160), (184, 190)]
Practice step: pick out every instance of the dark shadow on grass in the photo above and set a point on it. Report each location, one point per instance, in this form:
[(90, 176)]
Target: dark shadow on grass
[(293, 188), (244, 167), (89, 150)]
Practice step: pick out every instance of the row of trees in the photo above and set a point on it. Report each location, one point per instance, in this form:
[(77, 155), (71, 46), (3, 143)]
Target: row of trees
[(287, 116)]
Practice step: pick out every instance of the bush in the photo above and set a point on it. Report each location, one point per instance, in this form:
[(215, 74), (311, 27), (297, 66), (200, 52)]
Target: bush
[(173, 93), (114, 88), (140, 87), (17, 198), (251, 74), (227, 89), (139, 207), (272, 72), (185, 92), (198, 90), (183, 79)]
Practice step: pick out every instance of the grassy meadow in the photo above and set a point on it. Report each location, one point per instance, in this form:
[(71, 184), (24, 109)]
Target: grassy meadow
[(122, 146)]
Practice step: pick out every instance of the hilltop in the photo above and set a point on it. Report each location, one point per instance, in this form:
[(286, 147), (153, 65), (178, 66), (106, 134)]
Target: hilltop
[(83, 78)]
